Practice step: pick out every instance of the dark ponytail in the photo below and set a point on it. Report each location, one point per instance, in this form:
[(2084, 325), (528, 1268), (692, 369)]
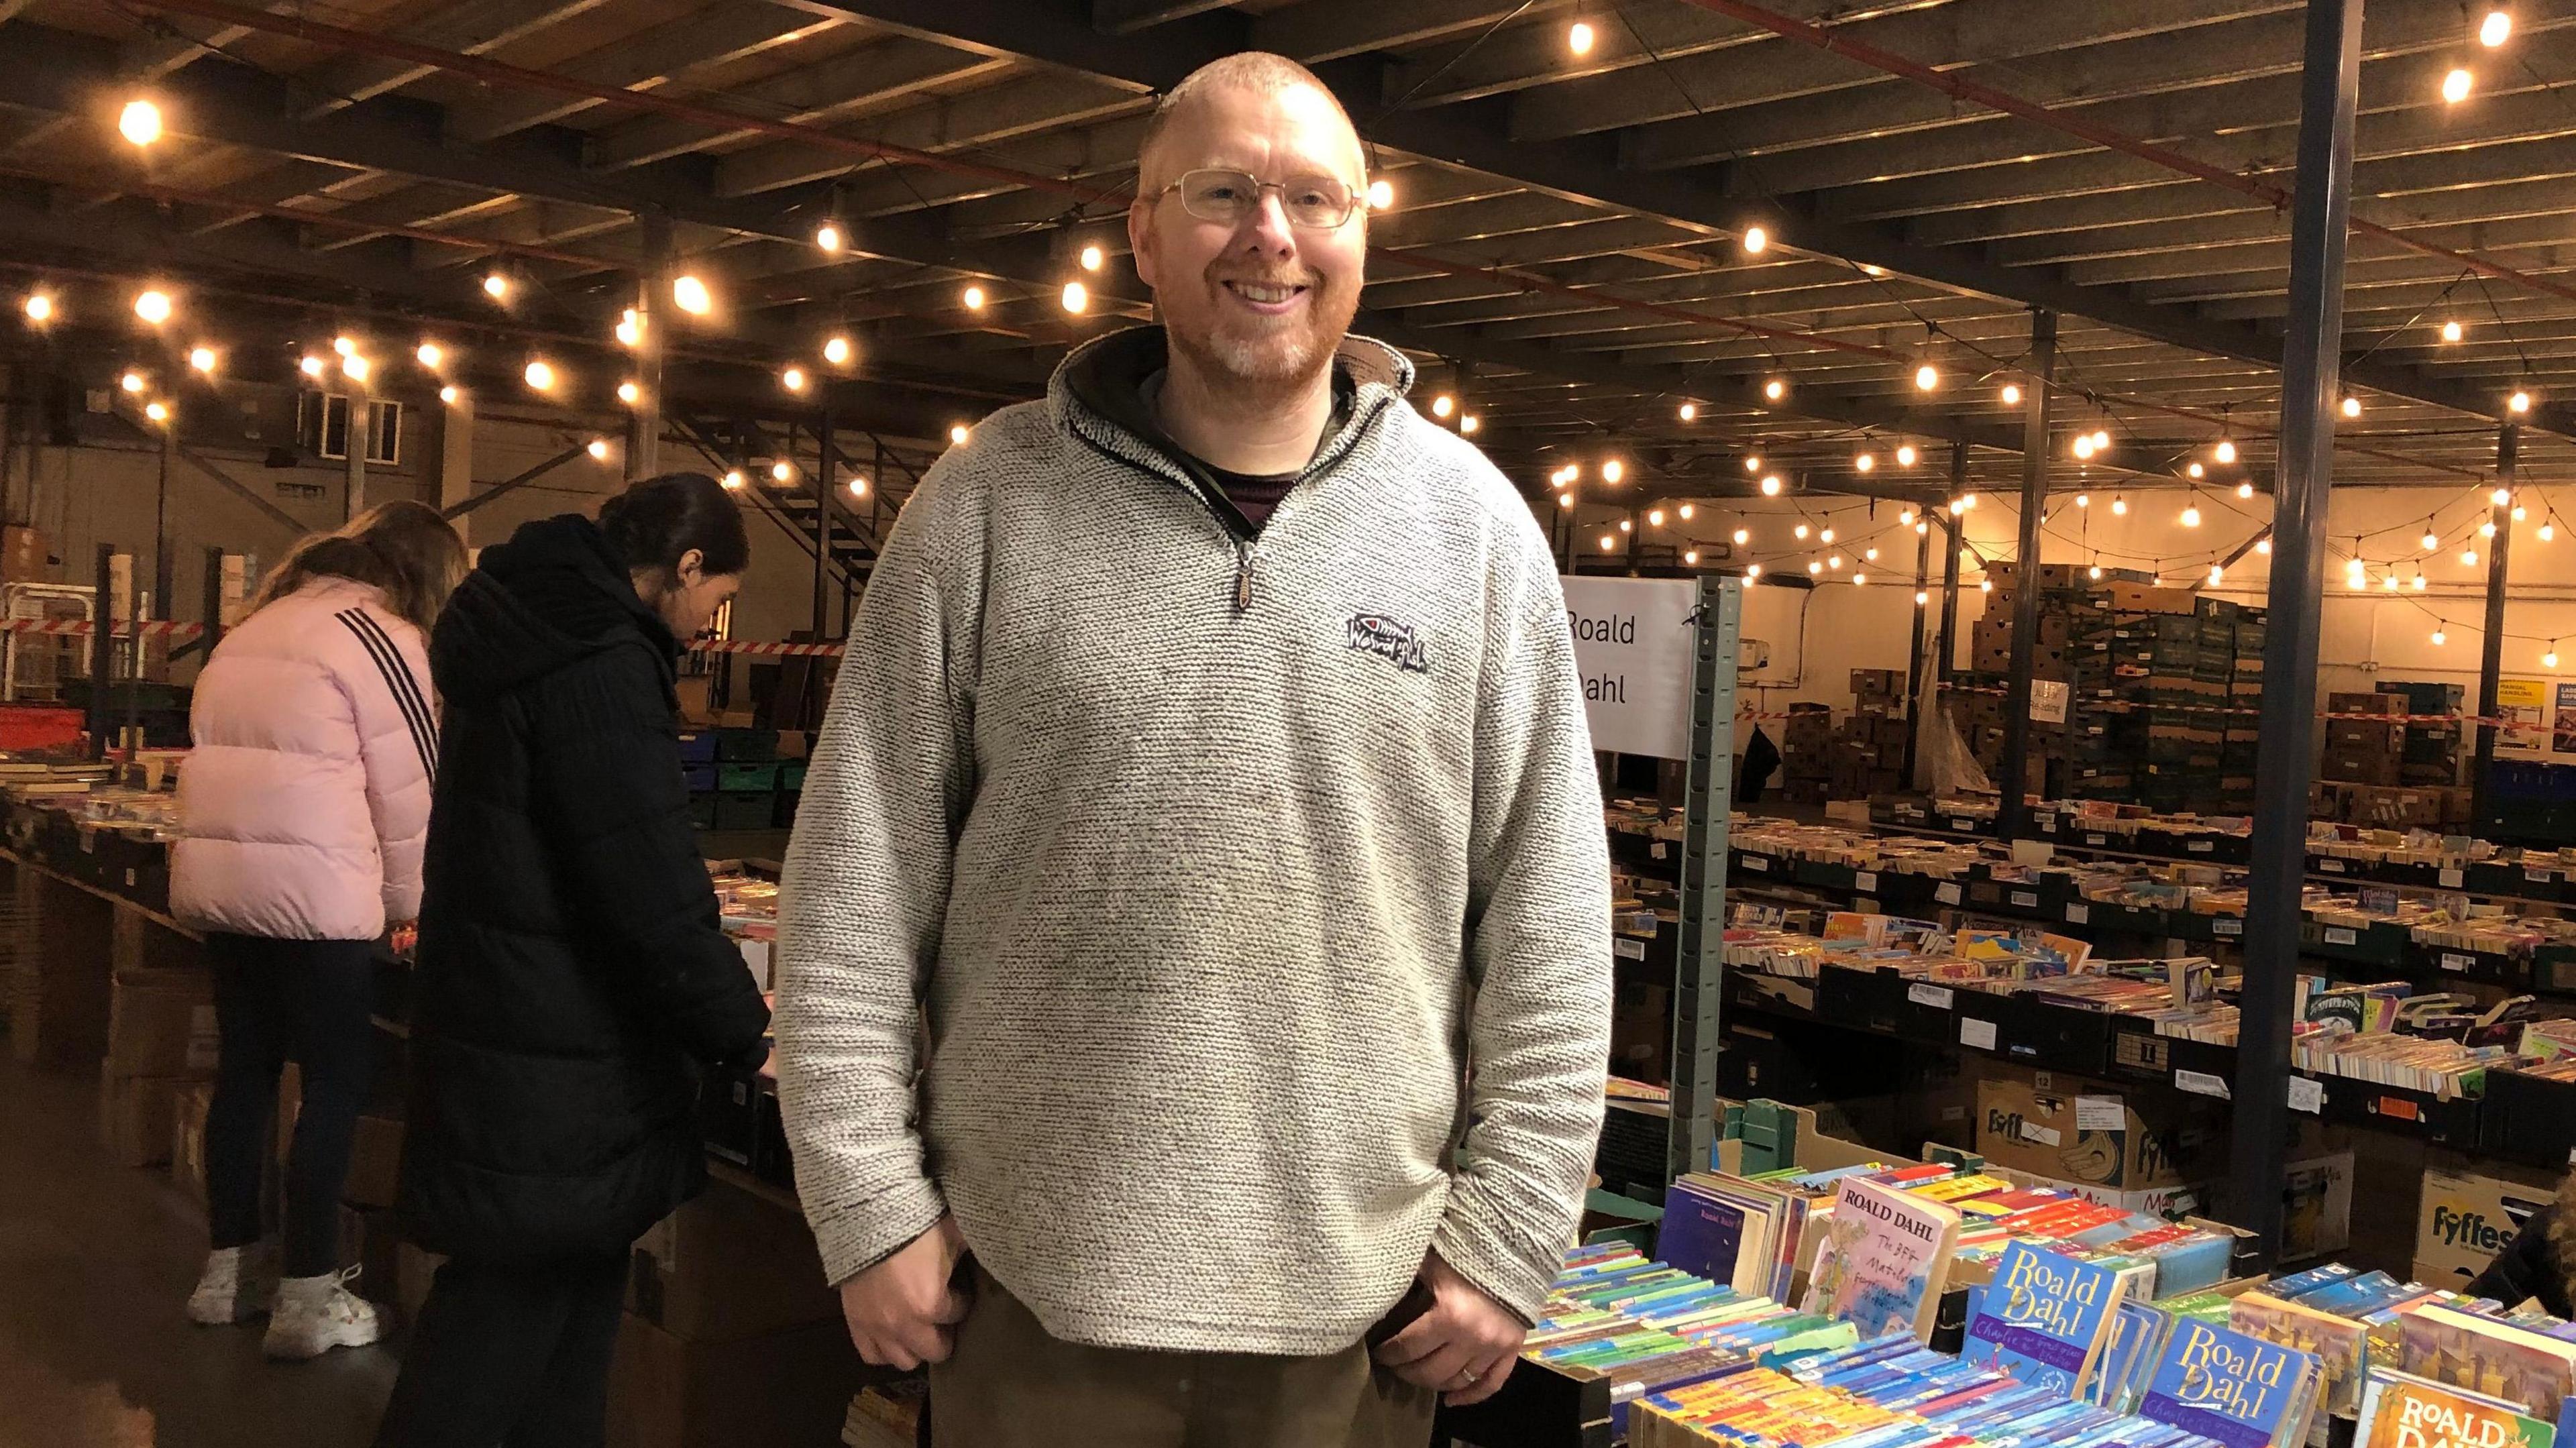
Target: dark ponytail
[(657, 520)]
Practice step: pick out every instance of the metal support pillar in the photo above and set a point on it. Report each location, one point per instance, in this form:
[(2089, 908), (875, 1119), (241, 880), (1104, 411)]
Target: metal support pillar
[(358, 420), (644, 419), (211, 600), (2491, 650), (102, 648), (456, 459), (822, 522), (2310, 362), (2013, 819), (164, 567), (1914, 672), (1698, 982)]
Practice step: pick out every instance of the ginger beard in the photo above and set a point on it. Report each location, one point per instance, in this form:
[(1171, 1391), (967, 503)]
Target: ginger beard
[(1255, 310)]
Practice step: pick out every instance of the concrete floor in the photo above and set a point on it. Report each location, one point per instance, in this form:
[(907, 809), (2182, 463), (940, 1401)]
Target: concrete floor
[(96, 1350)]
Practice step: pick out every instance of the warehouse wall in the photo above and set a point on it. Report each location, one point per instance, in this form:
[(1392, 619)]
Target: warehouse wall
[(1817, 637)]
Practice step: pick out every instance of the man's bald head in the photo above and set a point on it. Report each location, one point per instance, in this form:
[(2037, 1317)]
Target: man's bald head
[(1258, 71)]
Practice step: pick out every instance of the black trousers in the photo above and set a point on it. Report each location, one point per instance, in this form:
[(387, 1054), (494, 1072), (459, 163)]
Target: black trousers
[(514, 1355), (276, 1001)]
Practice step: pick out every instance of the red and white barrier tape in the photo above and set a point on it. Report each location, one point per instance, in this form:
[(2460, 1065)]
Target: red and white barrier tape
[(153, 628), (758, 650)]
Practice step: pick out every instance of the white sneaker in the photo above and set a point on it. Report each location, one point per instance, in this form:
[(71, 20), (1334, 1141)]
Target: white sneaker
[(236, 1286), (316, 1314)]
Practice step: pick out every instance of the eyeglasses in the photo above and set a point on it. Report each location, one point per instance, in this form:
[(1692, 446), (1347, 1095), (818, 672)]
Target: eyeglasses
[(1317, 203)]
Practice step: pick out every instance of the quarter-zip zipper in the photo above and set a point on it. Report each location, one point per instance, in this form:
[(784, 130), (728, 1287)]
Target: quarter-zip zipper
[(1243, 575)]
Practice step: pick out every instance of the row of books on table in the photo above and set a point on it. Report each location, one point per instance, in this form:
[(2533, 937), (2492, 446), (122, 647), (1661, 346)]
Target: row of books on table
[(2386, 1033)]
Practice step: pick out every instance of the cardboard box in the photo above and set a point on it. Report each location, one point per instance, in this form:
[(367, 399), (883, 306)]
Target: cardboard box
[(729, 1265), (2070, 1129), (2465, 1219), (137, 1117), (162, 1023), (188, 1138), (666, 1391), (375, 1163), (2373, 703)]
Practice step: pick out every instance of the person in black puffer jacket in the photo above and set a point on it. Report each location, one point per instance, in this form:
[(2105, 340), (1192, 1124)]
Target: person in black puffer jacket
[(574, 978)]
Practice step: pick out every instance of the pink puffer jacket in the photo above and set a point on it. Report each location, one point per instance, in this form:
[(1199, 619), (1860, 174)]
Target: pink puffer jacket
[(306, 801)]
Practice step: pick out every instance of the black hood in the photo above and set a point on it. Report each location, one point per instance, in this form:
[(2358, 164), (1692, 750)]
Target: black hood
[(554, 594)]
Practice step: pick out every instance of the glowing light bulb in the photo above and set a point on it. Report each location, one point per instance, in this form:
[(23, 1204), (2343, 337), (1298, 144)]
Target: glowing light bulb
[(2011, 395), (1905, 455), (1076, 297), (2520, 512), (1859, 580), (2455, 86), (2519, 402), (782, 471), (2487, 529), (1800, 532), (2084, 446), (343, 346), (1655, 518), (973, 297), (1906, 516), (355, 367), (2191, 516), (1922, 528), (630, 329), (1092, 258), (598, 449), (733, 478), (541, 376), (139, 122), (1865, 462), (1470, 423), (2196, 470), (1565, 500), (496, 286), (1578, 38), (1627, 525), (836, 350), (629, 393), (2119, 507), (153, 306), (793, 379), (2217, 573), (2548, 531), (2419, 580), (156, 411), (2245, 490), (448, 395), (1443, 405), (1753, 570), (1753, 464), (2084, 500), (1613, 470), (690, 295), (1755, 239), (858, 487), (1963, 503), (1870, 555), (1985, 585), (2500, 497), (2450, 331), (2094, 573), (1926, 377), (131, 381), (1689, 411), (1775, 389), (2495, 29), (2101, 439), (1685, 510), (1824, 535), (2388, 584), (202, 358), (2429, 541), (2263, 546), (1743, 536), (311, 366), (2352, 407), (957, 435), (2549, 660), (40, 307), (1921, 598), (1771, 485), (2225, 452), (828, 237), (1813, 567), (1381, 194), (430, 354), (1690, 558), (2440, 637), (2468, 558)]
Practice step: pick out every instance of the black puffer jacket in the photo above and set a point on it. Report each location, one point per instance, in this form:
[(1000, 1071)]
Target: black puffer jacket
[(572, 968)]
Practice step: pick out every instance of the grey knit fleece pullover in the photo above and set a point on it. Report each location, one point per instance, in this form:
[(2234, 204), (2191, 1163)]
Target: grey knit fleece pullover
[(1253, 884)]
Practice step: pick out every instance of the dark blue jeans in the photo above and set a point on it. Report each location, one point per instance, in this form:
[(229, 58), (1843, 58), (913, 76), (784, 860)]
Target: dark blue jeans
[(305, 1001)]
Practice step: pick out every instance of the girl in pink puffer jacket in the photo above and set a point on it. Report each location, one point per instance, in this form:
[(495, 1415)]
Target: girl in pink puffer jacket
[(303, 810)]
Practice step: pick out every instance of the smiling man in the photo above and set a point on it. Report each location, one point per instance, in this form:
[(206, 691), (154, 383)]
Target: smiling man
[(1208, 767)]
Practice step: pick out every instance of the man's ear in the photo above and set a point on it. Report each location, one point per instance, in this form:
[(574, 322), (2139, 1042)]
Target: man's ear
[(1140, 238)]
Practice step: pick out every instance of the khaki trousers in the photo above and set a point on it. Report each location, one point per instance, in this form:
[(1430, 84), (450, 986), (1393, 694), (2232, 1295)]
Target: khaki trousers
[(1008, 1384)]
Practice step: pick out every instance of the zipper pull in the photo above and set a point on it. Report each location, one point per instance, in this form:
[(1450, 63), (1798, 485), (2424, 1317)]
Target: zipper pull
[(1243, 579)]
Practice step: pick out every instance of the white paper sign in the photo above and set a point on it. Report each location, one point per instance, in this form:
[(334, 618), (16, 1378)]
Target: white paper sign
[(2453, 960), (2201, 1083), (2101, 1113), (2453, 879), (2330, 865), (2044, 1135), (1865, 882), (1756, 864), (1977, 1033), (2048, 700), (2307, 1094), (1632, 644), (2340, 935), (2227, 925), (1938, 997), (1628, 949), (2025, 899), (1947, 894), (2079, 914)]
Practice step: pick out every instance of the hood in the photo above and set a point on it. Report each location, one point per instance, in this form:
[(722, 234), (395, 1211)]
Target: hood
[(1104, 380), (554, 594)]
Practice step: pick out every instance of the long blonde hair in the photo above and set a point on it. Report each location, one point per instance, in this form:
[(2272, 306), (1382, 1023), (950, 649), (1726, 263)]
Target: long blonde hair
[(402, 548)]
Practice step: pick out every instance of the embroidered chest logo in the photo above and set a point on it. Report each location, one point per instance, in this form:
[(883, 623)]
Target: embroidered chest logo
[(1389, 639)]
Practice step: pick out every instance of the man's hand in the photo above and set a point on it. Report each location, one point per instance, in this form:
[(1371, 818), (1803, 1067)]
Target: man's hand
[(1463, 1347), (901, 1311)]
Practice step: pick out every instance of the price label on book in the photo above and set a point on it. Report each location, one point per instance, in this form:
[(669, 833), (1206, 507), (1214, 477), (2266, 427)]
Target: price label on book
[(1865, 881), (2025, 899), (2079, 914), (2341, 935), (1937, 997), (2048, 824), (2453, 960), (2201, 847), (2201, 1083), (2227, 925), (1957, 823), (2097, 840), (2330, 865), (1977, 1033), (2539, 877), (2101, 1113), (1755, 864), (1658, 851), (2308, 1094), (1627, 948), (2454, 879), (1947, 894)]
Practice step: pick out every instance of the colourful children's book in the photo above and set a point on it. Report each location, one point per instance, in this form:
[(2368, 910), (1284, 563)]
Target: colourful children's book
[(2045, 1319), (2399, 1410), (2231, 1388), (1883, 1259)]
